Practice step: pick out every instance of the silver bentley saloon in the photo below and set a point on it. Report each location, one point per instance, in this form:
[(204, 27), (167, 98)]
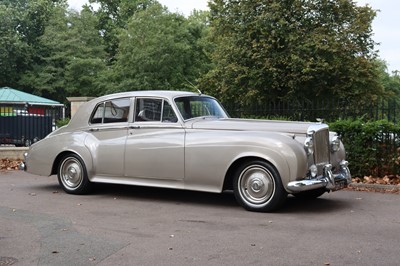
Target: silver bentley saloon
[(185, 140)]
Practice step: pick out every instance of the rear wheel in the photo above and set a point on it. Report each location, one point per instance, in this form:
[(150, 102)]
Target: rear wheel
[(258, 187), (72, 175)]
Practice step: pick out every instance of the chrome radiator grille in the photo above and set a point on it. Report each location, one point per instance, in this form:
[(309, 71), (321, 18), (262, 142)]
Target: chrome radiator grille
[(321, 146)]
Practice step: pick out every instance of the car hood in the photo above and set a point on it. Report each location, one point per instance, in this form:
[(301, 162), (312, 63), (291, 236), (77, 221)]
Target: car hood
[(255, 125)]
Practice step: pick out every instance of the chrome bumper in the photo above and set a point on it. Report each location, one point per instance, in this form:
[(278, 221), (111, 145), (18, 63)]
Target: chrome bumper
[(328, 180), (22, 166)]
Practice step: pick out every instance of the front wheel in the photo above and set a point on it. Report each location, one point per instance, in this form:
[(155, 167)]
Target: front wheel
[(72, 175), (258, 187)]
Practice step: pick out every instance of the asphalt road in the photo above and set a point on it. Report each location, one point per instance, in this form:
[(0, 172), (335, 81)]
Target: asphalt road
[(125, 225)]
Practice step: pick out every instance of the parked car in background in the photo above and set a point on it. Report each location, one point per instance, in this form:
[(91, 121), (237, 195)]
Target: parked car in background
[(184, 140)]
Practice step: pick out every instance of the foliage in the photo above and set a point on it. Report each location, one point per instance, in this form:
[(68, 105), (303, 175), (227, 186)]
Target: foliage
[(268, 117), (292, 49), (372, 147), (159, 50), (14, 53), (22, 23), (113, 15), (62, 122), (390, 82), (54, 52), (71, 58)]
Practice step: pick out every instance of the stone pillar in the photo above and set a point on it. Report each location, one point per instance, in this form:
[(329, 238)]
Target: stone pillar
[(76, 102)]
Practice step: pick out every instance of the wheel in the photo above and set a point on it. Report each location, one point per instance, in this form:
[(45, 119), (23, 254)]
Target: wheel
[(311, 194), (72, 175), (258, 187)]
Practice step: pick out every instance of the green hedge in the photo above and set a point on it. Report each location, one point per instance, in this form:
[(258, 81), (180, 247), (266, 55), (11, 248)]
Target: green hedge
[(62, 122), (372, 147)]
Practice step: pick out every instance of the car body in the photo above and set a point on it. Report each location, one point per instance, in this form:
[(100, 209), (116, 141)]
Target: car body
[(185, 140)]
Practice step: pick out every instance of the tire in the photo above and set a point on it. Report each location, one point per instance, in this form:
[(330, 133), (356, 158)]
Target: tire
[(72, 175), (311, 194), (257, 186)]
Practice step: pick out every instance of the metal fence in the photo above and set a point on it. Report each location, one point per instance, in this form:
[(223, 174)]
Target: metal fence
[(24, 124), (327, 110)]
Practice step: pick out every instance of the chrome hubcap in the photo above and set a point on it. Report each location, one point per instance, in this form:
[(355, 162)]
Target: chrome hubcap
[(71, 173), (256, 184)]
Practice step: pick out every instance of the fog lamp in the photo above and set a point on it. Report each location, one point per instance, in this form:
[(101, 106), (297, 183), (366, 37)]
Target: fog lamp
[(309, 145), (313, 171), (335, 144)]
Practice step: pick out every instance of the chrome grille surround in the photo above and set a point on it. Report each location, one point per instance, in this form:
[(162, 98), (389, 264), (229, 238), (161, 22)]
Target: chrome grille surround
[(321, 146), (321, 155)]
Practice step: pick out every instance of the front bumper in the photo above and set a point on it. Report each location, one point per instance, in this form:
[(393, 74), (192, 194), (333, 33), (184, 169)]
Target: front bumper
[(328, 180)]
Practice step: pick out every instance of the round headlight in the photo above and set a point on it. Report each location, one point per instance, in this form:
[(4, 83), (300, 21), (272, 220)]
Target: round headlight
[(309, 145), (335, 144)]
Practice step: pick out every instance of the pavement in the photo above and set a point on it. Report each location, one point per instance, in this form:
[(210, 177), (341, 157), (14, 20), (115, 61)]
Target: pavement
[(127, 225)]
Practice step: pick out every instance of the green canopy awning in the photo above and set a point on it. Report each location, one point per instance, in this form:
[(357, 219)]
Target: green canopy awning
[(9, 95)]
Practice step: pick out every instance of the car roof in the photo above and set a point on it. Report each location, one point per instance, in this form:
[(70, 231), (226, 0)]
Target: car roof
[(150, 93), (81, 117)]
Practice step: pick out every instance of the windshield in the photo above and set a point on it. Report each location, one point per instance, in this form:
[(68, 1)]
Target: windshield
[(199, 106)]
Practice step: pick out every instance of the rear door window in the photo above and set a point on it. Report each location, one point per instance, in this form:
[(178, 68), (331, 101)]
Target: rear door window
[(113, 111)]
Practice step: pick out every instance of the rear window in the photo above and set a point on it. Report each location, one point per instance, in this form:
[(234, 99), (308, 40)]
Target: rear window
[(113, 111)]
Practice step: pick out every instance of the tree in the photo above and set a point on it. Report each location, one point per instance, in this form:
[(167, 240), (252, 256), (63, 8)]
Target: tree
[(22, 23), (391, 82), (72, 57), (113, 15), (14, 53), (292, 50), (159, 50), (199, 29)]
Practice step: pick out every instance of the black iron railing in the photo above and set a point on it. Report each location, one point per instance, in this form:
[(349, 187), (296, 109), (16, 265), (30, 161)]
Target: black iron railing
[(327, 110), (24, 124)]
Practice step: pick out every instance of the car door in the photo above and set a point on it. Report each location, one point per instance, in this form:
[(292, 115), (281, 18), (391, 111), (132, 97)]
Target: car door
[(107, 133), (155, 142)]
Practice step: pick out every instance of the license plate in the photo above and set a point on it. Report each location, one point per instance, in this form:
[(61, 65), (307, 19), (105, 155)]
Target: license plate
[(340, 185)]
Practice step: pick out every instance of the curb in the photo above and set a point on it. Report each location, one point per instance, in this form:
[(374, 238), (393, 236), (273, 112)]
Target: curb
[(375, 186), (12, 153)]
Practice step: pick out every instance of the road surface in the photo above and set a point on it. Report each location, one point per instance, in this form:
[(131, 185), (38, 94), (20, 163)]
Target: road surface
[(127, 225)]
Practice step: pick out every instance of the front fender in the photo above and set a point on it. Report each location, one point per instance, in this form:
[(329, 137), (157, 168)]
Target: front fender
[(210, 155), (289, 159)]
